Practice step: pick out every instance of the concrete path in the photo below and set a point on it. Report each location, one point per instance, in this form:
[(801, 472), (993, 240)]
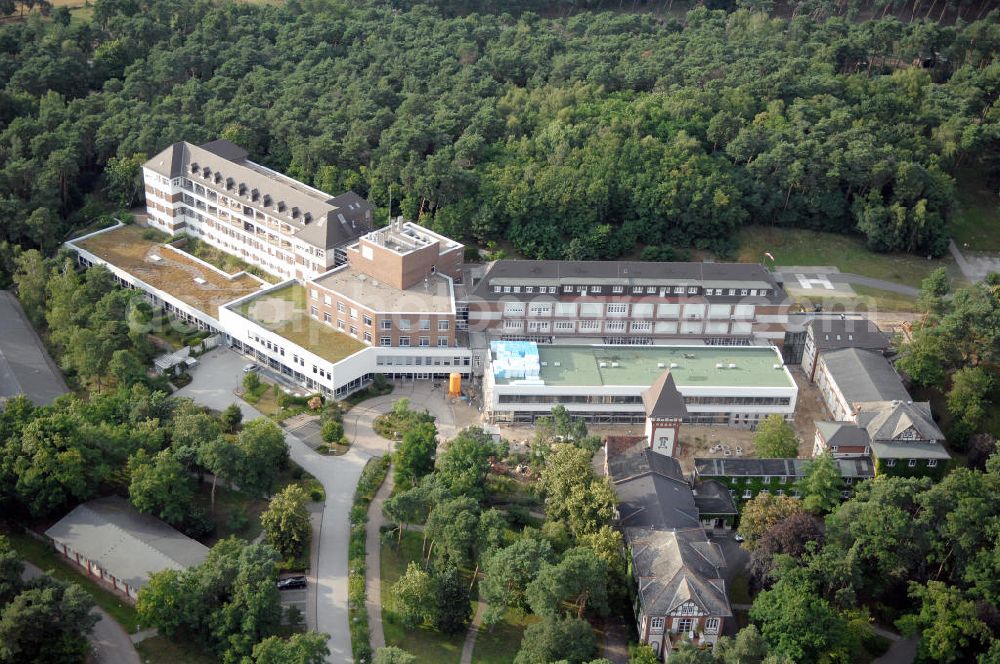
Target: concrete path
[(902, 651), (110, 641), (974, 267), (470, 637), (373, 564), (220, 371), (614, 642)]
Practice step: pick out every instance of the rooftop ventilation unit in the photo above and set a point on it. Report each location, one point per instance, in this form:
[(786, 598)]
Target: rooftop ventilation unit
[(615, 365), (732, 366), (155, 258), (557, 364), (720, 365), (660, 365), (545, 364), (673, 365), (603, 365), (199, 280)]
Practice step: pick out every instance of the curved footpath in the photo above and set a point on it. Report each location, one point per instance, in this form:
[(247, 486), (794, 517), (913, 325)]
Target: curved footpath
[(212, 385)]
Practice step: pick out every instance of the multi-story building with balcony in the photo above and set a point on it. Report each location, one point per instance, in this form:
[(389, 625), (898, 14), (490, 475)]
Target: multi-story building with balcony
[(633, 303), (214, 193)]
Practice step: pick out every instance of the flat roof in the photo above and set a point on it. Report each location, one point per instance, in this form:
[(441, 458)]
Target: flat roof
[(284, 312), (431, 296), (696, 366), (167, 269), (25, 365)]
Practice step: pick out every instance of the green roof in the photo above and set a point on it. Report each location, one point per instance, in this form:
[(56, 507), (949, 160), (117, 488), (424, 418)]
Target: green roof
[(284, 312), (640, 365)]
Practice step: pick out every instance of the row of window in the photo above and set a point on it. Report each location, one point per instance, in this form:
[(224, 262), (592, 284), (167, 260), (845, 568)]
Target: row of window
[(626, 398), (421, 360), (624, 310), (662, 291), (911, 463), (404, 324), (684, 624)]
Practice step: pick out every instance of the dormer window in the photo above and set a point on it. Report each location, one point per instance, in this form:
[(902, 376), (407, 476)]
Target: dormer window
[(243, 189), (295, 213), (268, 201), (230, 183), (281, 206), (307, 217), (218, 177), (194, 168), (206, 172), (254, 195)]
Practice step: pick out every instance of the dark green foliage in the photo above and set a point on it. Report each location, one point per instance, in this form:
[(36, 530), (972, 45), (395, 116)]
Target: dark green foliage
[(571, 137), (453, 607), (414, 456), (553, 640)]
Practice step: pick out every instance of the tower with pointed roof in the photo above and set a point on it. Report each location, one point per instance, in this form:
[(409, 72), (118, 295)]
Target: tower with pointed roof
[(665, 410)]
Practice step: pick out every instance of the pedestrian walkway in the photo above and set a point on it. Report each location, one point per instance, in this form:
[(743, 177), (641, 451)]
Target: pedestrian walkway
[(470, 638), (373, 563)]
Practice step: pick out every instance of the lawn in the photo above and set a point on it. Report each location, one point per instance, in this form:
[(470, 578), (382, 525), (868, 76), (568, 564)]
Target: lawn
[(229, 506), (47, 559), (425, 644), (500, 644), (976, 223), (161, 650), (795, 246)]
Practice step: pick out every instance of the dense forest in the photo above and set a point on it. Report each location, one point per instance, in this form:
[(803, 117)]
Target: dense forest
[(570, 137)]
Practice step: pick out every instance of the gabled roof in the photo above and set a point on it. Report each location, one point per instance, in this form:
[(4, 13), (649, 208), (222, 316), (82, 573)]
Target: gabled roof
[(754, 467), (332, 220), (652, 492), (843, 434), (830, 333), (712, 497), (678, 566), (128, 544), (662, 400), (910, 449), (863, 375), (887, 420)]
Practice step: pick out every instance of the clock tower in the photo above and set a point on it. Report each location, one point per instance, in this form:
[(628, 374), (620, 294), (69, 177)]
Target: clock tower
[(665, 410)]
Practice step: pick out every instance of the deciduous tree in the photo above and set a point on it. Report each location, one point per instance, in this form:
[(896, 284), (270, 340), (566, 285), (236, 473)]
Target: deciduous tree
[(775, 439)]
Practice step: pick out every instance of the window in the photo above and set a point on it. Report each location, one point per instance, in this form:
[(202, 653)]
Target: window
[(539, 309), (340, 325), (529, 289), (678, 290), (617, 289), (747, 494), (932, 463), (889, 463), (443, 342), (444, 325), (368, 337), (354, 331), (496, 289), (590, 325), (385, 324), (425, 341), (692, 290), (404, 341), (637, 289), (909, 434), (552, 290), (684, 624), (911, 462), (313, 294), (385, 341), (506, 289), (340, 307), (566, 289), (656, 623), (313, 311), (425, 324), (326, 317), (368, 320), (517, 289), (565, 326), (354, 313), (712, 625), (617, 308), (404, 323), (615, 326), (595, 289), (513, 324), (641, 325), (326, 300), (650, 290)]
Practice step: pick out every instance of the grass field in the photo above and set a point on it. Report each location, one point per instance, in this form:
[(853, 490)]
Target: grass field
[(48, 560), (976, 224), (867, 300), (795, 246), (499, 644), (427, 645)]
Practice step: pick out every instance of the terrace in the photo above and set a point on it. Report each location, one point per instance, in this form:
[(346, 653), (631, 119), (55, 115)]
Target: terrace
[(284, 312), (167, 269)]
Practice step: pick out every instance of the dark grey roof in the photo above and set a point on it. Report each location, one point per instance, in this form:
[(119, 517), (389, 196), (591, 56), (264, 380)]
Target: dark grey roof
[(830, 333), (633, 273), (863, 375), (128, 544), (712, 497), (845, 434), (675, 567), (25, 365), (753, 467), (334, 220), (662, 400), (652, 492), (887, 420), (909, 450)]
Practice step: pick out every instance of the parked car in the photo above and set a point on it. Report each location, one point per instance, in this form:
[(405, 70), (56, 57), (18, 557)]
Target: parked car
[(292, 583), (739, 538), (251, 367)]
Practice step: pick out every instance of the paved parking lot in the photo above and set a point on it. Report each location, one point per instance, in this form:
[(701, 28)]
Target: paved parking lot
[(296, 598), (308, 430)]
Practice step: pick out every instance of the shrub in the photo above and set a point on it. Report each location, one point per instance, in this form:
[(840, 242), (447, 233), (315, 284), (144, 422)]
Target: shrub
[(238, 521)]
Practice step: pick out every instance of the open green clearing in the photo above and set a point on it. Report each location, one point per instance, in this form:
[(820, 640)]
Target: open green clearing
[(795, 246), (499, 644), (867, 299), (426, 644), (41, 555), (976, 224)]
